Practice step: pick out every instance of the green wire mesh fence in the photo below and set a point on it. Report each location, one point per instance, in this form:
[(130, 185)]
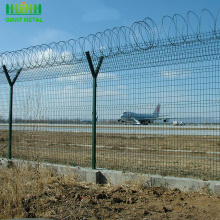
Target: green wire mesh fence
[(158, 100)]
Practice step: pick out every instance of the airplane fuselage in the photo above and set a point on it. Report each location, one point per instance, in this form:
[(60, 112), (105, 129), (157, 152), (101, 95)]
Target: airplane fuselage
[(131, 117), (136, 118)]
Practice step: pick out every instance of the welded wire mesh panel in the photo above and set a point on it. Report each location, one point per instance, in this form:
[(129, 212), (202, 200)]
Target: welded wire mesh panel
[(4, 91), (158, 99), (49, 115), (167, 103)]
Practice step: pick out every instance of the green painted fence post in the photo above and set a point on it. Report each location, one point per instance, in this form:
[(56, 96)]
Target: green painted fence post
[(94, 75), (11, 84)]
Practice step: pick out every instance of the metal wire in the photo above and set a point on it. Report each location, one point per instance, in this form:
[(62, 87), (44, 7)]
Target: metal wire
[(142, 35), (176, 66)]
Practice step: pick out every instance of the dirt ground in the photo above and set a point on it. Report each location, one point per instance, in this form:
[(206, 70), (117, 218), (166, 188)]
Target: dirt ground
[(36, 193), (166, 155)]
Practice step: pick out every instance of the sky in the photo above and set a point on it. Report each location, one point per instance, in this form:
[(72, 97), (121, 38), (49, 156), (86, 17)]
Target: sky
[(71, 19)]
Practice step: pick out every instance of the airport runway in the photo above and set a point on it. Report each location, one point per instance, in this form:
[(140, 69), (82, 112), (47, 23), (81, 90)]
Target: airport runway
[(213, 130)]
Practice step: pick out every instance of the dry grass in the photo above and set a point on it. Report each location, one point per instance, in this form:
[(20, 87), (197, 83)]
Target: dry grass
[(33, 192), (174, 155), (21, 186)]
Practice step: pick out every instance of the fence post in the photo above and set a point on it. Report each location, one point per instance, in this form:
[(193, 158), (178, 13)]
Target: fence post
[(94, 75), (11, 84)]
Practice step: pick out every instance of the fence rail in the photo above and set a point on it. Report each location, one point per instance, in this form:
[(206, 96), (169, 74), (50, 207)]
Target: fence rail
[(152, 105)]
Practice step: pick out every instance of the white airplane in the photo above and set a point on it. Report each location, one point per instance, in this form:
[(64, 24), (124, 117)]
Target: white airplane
[(138, 119)]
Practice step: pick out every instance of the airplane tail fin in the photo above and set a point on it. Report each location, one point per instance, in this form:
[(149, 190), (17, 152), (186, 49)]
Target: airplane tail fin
[(157, 111)]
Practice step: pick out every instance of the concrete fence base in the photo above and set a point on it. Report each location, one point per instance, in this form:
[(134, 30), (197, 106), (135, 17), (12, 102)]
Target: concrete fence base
[(117, 177)]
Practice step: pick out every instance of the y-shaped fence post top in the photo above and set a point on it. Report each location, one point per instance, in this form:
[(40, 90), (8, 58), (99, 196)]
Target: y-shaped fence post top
[(94, 72), (94, 75), (11, 84)]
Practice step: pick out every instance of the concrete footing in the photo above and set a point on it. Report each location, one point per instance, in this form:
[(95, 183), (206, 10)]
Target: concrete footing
[(118, 177)]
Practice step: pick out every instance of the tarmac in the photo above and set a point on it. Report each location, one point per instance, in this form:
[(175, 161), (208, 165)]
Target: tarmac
[(213, 130)]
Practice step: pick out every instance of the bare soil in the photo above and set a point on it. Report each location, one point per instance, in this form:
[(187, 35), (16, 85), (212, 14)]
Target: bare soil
[(167, 155), (36, 193)]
